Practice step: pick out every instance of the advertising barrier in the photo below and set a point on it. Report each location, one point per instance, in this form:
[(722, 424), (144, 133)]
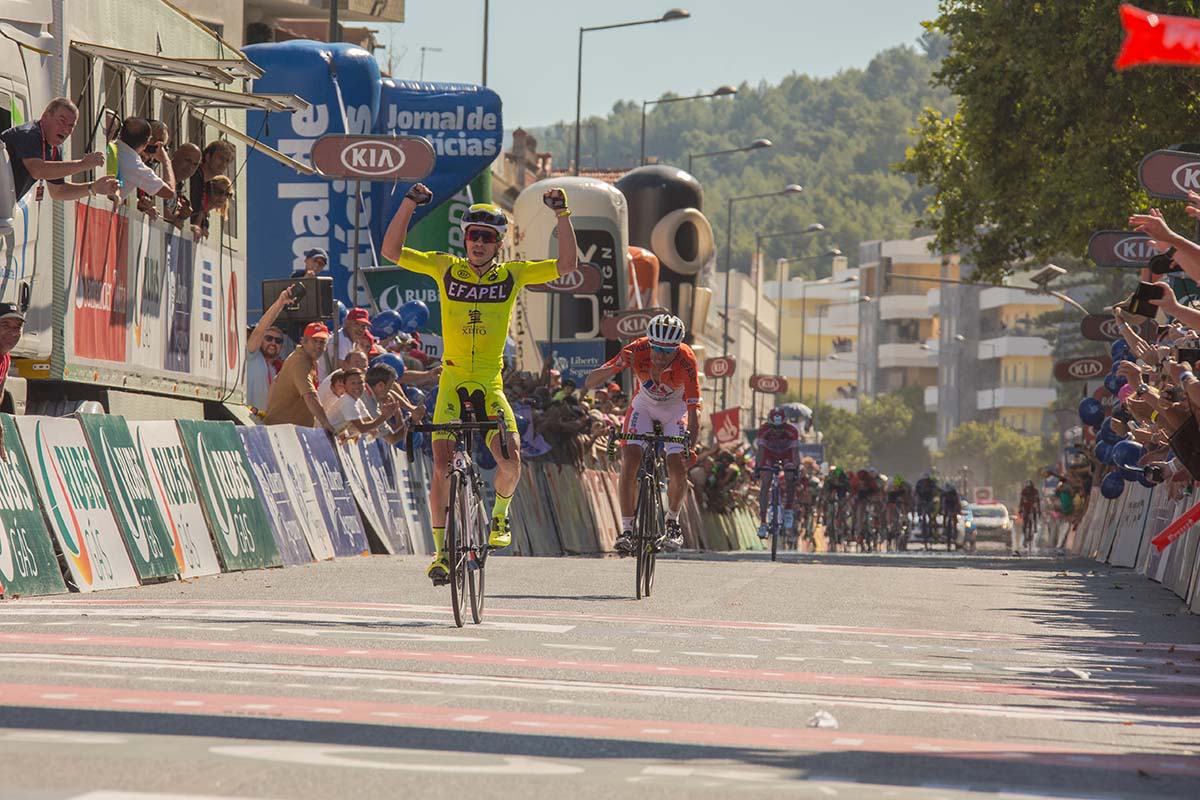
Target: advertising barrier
[(128, 487), (379, 462), (231, 503), (315, 521), (286, 527), (337, 504), (74, 501), (351, 459), (28, 565), (170, 477)]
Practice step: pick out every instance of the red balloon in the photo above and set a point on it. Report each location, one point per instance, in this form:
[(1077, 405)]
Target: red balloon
[(1158, 39)]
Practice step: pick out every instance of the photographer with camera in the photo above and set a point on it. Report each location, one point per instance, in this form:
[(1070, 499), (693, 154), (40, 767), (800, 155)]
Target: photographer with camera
[(134, 173), (264, 353)]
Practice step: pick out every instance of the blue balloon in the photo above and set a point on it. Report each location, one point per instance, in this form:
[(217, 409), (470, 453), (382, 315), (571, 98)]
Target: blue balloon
[(385, 324), (392, 360), (413, 316), (414, 395), (1104, 452), (1120, 350), (1090, 411), (340, 308), (1127, 453), (1107, 434), (1112, 486), (1122, 414), (1114, 382)]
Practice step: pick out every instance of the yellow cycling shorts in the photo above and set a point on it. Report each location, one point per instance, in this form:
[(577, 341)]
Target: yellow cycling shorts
[(484, 393)]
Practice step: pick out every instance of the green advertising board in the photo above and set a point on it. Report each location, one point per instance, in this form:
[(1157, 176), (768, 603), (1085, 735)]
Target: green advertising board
[(231, 503), (27, 562), (128, 488)]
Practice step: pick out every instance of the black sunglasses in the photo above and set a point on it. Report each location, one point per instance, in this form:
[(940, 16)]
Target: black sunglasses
[(482, 235)]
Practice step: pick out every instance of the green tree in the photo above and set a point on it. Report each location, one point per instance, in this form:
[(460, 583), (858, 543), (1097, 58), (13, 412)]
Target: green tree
[(845, 444), (998, 455), (838, 137), (1044, 146)]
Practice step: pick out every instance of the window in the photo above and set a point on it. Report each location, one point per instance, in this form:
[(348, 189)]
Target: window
[(80, 67)]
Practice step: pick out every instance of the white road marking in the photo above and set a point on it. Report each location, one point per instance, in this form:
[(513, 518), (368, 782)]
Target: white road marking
[(59, 737), (715, 655), (541, 686), (580, 646), (406, 760)]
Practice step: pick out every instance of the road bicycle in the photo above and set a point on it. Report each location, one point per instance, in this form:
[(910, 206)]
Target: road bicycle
[(467, 524), (1029, 526), (650, 519), (836, 518), (774, 516), (949, 530), (925, 522)]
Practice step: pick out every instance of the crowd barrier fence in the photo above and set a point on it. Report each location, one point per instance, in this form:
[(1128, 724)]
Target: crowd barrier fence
[(94, 501)]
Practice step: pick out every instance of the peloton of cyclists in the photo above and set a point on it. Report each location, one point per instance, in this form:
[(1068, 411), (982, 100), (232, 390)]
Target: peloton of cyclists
[(926, 491), (778, 448)]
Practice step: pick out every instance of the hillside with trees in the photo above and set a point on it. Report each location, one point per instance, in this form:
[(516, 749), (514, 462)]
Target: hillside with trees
[(839, 137)]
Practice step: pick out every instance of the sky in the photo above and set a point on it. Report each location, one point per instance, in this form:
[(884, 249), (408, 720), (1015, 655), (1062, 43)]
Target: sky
[(533, 46)]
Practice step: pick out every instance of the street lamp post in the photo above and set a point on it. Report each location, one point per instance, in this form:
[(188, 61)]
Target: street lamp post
[(425, 50), (815, 227), (790, 189), (757, 144), (720, 91), (670, 16)]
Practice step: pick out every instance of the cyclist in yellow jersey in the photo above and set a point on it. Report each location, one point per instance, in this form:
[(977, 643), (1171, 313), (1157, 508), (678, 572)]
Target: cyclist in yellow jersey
[(477, 295)]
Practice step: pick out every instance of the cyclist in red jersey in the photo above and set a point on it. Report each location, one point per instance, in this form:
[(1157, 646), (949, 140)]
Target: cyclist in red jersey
[(667, 391), (778, 443)]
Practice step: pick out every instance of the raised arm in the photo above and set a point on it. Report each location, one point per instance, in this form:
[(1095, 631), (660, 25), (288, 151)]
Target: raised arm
[(268, 318), (397, 230), (568, 247)]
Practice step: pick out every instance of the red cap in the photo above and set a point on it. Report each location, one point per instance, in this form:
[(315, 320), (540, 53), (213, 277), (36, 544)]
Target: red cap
[(358, 315), (316, 330), (612, 387)]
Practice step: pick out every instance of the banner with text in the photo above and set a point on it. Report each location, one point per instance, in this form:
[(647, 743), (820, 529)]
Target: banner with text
[(316, 519), (74, 501), (134, 505), (231, 503), (268, 476), (171, 481), (28, 565), (345, 528)]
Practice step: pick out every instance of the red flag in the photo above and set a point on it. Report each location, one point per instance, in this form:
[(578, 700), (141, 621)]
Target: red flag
[(1158, 39), (727, 427), (1176, 528)]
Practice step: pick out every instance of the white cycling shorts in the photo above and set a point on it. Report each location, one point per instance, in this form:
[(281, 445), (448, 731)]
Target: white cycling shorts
[(643, 413)]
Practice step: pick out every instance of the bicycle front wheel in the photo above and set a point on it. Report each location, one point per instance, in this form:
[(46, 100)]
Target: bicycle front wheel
[(643, 536), (457, 533)]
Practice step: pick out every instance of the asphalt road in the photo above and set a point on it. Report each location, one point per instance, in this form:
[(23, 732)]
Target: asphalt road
[(946, 676)]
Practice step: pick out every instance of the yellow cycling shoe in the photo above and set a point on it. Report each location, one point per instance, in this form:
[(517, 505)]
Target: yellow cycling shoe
[(439, 571), (501, 535)]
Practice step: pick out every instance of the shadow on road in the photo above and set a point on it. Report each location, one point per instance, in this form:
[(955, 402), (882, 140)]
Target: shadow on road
[(1118, 775)]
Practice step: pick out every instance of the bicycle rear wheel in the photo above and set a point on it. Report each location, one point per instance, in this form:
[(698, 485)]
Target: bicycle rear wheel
[(457, 532), (642, 537), (477, 555)]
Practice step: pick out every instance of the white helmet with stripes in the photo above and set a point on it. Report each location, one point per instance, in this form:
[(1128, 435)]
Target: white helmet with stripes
[(666, 330)]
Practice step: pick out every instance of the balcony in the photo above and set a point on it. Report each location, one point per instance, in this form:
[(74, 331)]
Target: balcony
[(1005, 346), (904, 306), (1015, 397), (348, 10), (931, 398), (905, 355), (998, 296)]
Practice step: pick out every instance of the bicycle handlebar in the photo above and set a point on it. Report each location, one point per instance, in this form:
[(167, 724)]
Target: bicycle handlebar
[(458, 426)]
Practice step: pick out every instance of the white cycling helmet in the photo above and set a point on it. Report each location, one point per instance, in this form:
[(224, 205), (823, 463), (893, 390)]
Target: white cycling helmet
[(666, 330), (485, 215)]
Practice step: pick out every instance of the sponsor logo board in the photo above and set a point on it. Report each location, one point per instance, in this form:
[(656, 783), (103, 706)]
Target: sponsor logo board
[(27, 562), (720, 367), (368, 157), (1082, 369)]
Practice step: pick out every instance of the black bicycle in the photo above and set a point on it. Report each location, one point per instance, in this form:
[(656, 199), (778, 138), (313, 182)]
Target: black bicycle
[(467, 524), (650, 519), (774, 515)]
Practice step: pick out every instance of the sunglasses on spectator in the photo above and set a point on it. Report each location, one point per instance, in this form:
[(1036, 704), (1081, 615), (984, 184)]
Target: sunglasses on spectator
[(664, 350), (482, 235), (274, 339)]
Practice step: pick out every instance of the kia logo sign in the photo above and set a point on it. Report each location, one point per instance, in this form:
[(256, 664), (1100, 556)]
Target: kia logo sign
[(1103, 328), (721, 367), (374, 158), (584, 280), (1170, 174), (1082, 369), (628, 324), (768, 384), (1120, 249)]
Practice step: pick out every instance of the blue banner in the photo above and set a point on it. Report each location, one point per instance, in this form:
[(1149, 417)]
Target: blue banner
[(333, 494), (814, 451), (381, 478), (179, 303), (464, 124), (285, 525), (576, 359)]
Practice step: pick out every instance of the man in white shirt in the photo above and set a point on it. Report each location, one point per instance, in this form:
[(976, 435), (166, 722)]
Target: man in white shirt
[(264, 354), (349, 415), (132, 171)]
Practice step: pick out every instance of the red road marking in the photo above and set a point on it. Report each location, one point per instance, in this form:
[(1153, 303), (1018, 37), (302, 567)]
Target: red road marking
[(804, 739), (913, 633), (636, 668)]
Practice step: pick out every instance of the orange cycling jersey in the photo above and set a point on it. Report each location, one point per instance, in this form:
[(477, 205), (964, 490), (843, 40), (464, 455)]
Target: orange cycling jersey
[(678, 381)]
